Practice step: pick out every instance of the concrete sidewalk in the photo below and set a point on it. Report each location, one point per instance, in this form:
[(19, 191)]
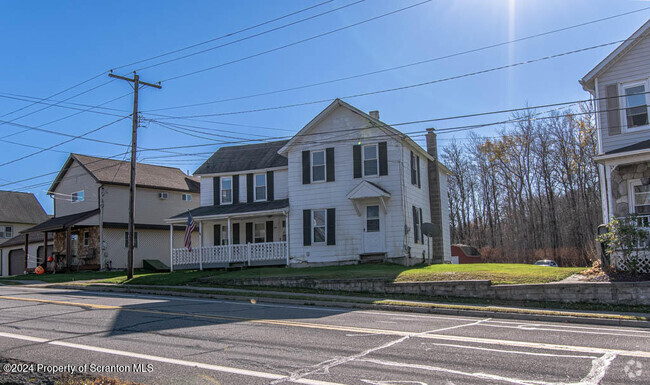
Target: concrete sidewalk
[(641, 320)]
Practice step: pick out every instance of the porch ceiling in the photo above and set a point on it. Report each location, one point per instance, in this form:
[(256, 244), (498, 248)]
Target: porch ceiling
[(237, 209)]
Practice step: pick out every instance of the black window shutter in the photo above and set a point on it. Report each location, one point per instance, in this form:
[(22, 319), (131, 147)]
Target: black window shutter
[(356, 159), (413, 176), (269, 186), (331, 226), (217, 235), (415, 224), (383, 158), (329, 161), (417, 159), (306, 227), (421, 235), (216, 190), (306, 167), (269, 231), (235, 189), (249, 232), (249, 188), (235, 233)]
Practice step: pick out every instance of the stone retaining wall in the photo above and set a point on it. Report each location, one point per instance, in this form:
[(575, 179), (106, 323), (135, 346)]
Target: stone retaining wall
[(631, 293)]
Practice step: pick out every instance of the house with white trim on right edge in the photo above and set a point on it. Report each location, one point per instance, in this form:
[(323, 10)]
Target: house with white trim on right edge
[(347, 188), (620, 85)]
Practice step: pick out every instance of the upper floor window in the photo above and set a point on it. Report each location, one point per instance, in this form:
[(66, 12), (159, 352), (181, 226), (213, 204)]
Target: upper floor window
[(318, 166), (186, 197), (370, 160), (636, 105), (226, 190), (77, 196), (6, 231), (260, 187)]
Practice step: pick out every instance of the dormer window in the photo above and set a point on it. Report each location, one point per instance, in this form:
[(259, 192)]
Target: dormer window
[(636, 104), (77, 196), (260, 187), (226, 190)]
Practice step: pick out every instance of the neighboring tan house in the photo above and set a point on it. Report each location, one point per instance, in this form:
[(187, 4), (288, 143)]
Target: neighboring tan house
[(18, 211), (91, 200), (344, 189), (620, 84)]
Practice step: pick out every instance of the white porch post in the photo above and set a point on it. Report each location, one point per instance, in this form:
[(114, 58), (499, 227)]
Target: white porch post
[(229, 242), (286, 228), (171, 247), (200, 245)]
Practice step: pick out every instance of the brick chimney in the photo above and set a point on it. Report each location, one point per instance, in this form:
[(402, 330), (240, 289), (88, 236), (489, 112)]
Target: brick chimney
[(374, 114), (437, 244)]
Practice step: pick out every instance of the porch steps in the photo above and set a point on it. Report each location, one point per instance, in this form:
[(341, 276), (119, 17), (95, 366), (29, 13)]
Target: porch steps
[(372, 258)]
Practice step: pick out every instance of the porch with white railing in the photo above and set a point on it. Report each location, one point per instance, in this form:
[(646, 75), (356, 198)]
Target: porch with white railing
[(641, 222), (250, 254)]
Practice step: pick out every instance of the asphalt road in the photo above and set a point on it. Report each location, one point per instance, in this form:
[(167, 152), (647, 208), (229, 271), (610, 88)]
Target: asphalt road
[(196, 341)]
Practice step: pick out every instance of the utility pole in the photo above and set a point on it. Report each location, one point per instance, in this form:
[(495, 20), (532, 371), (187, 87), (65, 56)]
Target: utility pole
[(134, 142)]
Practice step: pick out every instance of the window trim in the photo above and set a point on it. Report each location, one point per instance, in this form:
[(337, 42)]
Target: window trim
[(221, 190), (324, 165), (135, 239), (255, 186), (631, 198), (324, 226), (363, 159), (263, 224), (186, 197), (4, 231), (624, 107), (77, 200)]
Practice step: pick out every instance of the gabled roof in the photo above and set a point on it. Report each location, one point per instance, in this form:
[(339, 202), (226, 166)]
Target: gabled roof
[(367, 189), (19, 207), (241, 158), (374, 122), (588, 80), (117, 172)]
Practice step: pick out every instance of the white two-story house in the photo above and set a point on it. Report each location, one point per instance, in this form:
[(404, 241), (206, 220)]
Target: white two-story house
[(91, 200), (620, 85), (346, 188)]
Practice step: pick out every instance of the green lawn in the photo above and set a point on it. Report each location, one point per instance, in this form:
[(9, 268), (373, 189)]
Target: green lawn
[(496, 272)]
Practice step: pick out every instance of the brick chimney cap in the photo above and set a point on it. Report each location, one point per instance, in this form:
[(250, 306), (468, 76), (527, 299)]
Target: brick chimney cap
[(431, 129)]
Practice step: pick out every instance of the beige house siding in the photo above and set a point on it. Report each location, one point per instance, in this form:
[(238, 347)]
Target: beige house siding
[(150, 208), (75, 179)]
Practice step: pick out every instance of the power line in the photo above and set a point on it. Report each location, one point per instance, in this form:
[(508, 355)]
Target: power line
[(296, 42), (402, 87), (251, 36), (223, 36), (401, 66)]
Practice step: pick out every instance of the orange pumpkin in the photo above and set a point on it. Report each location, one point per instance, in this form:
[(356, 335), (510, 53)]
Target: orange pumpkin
[(39, 270)]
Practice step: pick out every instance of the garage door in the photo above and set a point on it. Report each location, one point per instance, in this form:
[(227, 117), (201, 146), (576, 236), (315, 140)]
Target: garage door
[(16, 262)]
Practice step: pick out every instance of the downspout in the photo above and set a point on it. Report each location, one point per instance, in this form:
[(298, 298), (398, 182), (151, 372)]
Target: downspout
[(100, 196)]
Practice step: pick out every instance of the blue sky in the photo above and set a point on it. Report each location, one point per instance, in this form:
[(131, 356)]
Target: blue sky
[(50, 46)]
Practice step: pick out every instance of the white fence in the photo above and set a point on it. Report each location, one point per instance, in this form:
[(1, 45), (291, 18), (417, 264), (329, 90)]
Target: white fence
[(215, 256), (643, 255)]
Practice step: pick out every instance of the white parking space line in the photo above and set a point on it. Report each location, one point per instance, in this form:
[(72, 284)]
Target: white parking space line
[(506, 351), (560, 329), (174, 361)]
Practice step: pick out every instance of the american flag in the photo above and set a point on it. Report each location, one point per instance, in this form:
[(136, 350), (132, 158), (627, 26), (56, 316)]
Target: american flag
[(191, 225)]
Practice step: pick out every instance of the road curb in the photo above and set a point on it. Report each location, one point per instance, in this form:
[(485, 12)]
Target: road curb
[(370, 306)]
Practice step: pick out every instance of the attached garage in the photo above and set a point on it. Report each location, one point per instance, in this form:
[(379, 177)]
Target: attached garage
[(16, 261)]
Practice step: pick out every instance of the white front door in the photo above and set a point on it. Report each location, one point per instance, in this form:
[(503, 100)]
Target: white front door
[(373, 230)]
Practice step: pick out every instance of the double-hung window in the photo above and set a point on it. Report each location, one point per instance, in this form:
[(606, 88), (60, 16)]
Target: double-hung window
[(77, 196), (260, 187), (640, 198), (6, 231), (318, 166), (636, 104), (259, 233), (370, 160), (319, 225), (226, 190)]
